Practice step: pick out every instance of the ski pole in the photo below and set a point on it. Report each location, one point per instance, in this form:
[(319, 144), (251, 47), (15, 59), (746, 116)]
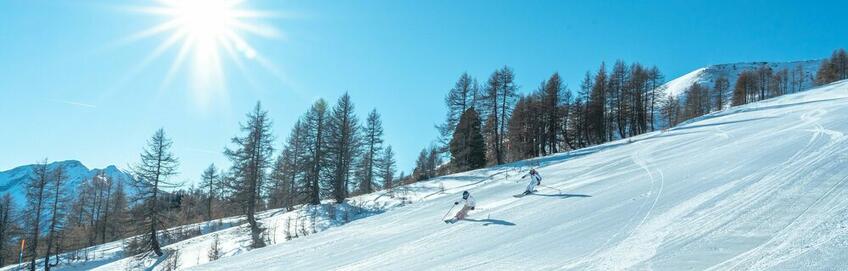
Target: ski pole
[(449, 210), (548, 187)]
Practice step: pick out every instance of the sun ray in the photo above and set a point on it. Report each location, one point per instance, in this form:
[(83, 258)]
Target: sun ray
[(207, 31)]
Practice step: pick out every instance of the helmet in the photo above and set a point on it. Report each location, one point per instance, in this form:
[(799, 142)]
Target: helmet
[(465, 194), (532, 171)]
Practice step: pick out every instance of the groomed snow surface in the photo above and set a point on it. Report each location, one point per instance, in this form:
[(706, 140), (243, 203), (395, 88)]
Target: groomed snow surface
[(758, 187)]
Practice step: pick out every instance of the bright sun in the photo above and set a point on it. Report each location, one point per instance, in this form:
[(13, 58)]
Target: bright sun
[(204, 30)]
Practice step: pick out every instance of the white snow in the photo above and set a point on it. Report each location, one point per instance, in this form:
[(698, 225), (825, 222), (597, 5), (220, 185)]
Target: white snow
[(758, 187), (706, 76)]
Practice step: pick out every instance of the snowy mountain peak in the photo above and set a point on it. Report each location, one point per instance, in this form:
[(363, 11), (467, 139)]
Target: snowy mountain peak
[(13, 181)]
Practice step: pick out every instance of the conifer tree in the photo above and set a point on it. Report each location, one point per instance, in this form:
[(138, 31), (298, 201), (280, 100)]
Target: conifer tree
[(343, 145), (386, 167), (463, 95), (209, 179), (151, 175), (251, 159), (315, 124), (720, 88), (37, 194), (372, 138), (467, 146)]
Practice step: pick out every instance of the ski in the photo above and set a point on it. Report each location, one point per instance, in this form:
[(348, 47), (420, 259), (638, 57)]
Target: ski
[(524, 194)]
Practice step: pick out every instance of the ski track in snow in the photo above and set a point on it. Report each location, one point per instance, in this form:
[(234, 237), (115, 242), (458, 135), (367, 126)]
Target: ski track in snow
[(761, 256)]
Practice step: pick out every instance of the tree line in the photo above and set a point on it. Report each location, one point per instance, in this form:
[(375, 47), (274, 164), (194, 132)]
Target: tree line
[(760, 83), (491, 123), (329, 154)]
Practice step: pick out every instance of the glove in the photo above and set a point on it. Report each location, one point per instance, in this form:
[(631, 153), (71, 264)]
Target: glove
[(472, 208), (538, 182), (455, 202)]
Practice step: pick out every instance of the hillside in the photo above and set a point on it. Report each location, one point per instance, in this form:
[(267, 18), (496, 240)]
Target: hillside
[(666, 201), (757, 187), (12, 181), (706, 76)]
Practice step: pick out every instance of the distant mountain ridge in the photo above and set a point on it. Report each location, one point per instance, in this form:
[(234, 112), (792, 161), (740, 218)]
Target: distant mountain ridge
[(706, 76), (13, 181)]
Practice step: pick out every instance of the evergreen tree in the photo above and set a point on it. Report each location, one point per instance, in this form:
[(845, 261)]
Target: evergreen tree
[(387, 167), (315, 124), (720, 88), (697, 102), (421, 171), (618, 102), (209, 179), (343, 145), (497, 101), (764, 76), (527, 127), (434, 160), (151, 175), (120, 213), (551, 108), (57, 213), (7, 224), (468, 150), (671, 111), (373, 144), (289, 171), (585, 95), (598, 119), (745, 89), (37, 194), (251, 158), (655, 79), (798, 78), (104, 203), (462, 96), (833, 69)]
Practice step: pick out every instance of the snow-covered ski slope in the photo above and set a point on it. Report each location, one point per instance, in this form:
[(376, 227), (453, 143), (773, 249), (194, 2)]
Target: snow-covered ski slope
[(757, 187)]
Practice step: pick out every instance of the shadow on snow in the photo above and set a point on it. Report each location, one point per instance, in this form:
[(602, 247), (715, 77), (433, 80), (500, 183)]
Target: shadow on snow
[(562, 195), (489, 221)]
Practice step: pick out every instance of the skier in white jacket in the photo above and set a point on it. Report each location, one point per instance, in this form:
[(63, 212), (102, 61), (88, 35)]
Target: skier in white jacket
[(468, 204), (535, 179)]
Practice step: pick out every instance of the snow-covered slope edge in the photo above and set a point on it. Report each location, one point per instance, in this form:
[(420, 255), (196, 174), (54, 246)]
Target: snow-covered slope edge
[(761, 186), (296, 224), (706, 76)]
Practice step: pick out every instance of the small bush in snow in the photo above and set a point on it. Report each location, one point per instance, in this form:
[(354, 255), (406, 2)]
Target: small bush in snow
[(215, 249), (173, 261)]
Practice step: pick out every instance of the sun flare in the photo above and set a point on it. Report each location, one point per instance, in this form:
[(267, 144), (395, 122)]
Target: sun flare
[(204, 30)]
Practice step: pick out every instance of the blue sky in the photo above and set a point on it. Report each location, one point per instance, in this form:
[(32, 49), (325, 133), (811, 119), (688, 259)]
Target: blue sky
[(73, 87)]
